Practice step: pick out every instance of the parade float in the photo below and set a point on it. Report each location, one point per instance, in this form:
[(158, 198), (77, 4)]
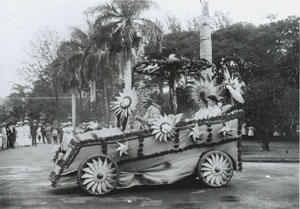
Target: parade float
[(169, 150)]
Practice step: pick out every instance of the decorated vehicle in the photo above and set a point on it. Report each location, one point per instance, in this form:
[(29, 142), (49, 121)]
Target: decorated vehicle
[(170, 149)]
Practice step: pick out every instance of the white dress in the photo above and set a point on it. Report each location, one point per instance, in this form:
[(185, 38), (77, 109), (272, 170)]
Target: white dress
[(39, 137), (18, 137), (202, 113), (27, 136), (214, 111), (250, 131)]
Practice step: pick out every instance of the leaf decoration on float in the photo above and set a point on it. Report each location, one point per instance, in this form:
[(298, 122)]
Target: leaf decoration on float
[(234, 86), (227, 129), (204, 87), (195, 133), (123, 149), (125, 104), (164, 128)]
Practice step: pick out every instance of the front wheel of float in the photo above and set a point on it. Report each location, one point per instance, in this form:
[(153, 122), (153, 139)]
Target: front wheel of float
[(98, 175), (215, 168)]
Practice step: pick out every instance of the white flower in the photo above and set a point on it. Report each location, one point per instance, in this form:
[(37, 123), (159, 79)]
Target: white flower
[(123, 148), (234, 86), (164, 128), (125, 104)]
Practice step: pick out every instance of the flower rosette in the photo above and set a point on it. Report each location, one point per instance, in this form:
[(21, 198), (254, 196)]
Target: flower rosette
[(125, 104), (164, 128), (234, 86), (204, 87)]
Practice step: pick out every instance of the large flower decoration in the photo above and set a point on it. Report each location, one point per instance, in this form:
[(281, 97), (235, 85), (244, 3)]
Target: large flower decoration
[(227, 129), (123, 148), (164, 128), (125, 104), (234, 86), (203, 88)]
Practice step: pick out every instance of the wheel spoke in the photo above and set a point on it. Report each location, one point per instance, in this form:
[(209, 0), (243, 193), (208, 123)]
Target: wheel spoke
[(88, 170), (217, 158), (207, 165), (99, 162), (99, 189), (221, 159), (104, 187), (91, 166), (111, 174), (224, 177), (95, 164), (212, 180), (87, 176), (210, 161), (213, 158), (104, 166), (208, 178), (221, 180), (94, 187), (206, 173), (90, 184), (109, 166), (87, 181), (218, 180), (107, 184), (205, 169)]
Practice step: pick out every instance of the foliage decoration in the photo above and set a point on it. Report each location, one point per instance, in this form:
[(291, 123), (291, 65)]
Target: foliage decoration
[(234, 86)]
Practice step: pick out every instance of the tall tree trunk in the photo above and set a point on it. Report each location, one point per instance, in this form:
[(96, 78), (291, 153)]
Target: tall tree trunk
[(92, 91), (205, 36), (127, 74), (73, 92), (106, 100), (58, 113)]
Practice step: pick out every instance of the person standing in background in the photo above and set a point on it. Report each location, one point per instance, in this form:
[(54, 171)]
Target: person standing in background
[(54, 135), (11, 135), (4, 137), (48, 130), (27, 134), (33, 131)]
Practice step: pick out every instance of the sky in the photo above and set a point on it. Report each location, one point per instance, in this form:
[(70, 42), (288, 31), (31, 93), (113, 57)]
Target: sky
[(21, 21)]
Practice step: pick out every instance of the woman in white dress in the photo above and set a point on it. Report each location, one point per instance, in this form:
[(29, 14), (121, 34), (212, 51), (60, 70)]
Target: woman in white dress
[(203, 112), (26, 134), (39, 135), (213, 107)]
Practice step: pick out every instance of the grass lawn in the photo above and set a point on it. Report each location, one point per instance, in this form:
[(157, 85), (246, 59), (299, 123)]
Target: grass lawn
[(252, 149)]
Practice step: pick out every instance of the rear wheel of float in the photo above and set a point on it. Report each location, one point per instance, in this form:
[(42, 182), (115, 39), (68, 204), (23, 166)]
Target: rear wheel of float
[(215, 168), (98, 175)]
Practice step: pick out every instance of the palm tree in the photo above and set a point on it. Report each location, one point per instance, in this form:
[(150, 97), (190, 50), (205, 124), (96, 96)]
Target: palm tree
[(205, 36), (129, 30)]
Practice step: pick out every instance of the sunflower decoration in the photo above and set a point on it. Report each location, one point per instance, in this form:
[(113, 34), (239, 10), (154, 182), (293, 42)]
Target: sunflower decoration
[(125, 104), (234, 86), (164, 128), (203, 88)]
